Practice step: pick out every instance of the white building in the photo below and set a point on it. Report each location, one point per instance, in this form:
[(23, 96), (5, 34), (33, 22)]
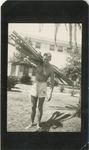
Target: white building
[(59, 53)]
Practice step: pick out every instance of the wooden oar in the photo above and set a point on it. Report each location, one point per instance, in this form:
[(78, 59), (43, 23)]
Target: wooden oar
[(28, 47), (61, 75), (26, 53), (32, 53), (18, 42)]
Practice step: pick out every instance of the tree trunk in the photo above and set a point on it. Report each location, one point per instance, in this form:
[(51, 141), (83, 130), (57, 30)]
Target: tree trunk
[(55, 34), (75, 35), (70, 35)]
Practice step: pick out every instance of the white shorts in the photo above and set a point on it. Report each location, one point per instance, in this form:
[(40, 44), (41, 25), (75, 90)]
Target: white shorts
[(39, 89)]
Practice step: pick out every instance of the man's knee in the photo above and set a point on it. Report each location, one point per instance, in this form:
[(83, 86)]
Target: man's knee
[(34, 102)]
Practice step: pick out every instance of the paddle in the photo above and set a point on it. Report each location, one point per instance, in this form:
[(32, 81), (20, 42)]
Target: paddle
[(35, 57)]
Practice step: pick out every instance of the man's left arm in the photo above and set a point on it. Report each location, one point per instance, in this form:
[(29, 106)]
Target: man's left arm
[(52, 79)]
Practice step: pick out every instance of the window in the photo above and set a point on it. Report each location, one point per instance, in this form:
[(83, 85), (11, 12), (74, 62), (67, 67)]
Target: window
[(38, 45), (51, 47), (60, 49), (68, 49)]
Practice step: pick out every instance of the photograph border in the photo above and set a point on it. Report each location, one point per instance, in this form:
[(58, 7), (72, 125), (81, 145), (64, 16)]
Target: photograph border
[(44, 12)]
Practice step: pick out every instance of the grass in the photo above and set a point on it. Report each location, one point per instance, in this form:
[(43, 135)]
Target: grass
[(19, 110)]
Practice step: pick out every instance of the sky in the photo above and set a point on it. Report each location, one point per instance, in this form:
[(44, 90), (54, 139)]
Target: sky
[(47, 30)]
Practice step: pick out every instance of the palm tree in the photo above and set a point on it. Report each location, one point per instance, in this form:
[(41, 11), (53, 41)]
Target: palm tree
[(70, 35), (71, 28)]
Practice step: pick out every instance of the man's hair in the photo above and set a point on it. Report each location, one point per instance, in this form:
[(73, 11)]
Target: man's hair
[(48, 55)]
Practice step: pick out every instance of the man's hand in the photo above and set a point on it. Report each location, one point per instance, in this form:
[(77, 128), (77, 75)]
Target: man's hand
[(49, 98)]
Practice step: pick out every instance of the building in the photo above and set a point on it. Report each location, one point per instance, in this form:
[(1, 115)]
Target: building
[(48, 45), (42, 45)]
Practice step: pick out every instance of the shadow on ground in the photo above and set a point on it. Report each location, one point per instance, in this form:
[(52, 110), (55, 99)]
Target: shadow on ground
[(54, 122)]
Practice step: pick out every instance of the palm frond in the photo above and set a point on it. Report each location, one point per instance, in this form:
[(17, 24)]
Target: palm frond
[(55, 33)]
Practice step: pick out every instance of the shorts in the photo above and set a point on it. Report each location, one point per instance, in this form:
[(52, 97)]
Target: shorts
[(39, 89)]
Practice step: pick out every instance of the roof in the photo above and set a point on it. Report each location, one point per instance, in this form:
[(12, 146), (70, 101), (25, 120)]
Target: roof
[(24, 63)]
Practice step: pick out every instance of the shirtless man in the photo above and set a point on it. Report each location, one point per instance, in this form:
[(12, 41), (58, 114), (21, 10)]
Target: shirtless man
[(39, 88)]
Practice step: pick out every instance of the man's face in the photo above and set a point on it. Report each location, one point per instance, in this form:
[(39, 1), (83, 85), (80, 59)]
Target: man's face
[(45, 60)]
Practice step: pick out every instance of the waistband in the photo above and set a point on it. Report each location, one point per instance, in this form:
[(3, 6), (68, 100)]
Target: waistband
[(40, 81)]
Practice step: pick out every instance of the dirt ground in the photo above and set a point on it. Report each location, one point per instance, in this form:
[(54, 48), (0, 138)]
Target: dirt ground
[(19, 109)]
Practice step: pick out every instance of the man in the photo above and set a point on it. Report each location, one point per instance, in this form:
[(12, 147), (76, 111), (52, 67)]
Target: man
[(39, 88)]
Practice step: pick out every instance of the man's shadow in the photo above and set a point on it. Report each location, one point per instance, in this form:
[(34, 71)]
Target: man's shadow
[(54, 122)]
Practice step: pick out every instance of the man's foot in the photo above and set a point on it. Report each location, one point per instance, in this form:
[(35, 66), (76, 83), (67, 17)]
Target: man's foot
[(39, 128), (30, 126)]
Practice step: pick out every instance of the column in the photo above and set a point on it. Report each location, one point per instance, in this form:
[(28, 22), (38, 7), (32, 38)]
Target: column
[(9, 69), (17, 70)]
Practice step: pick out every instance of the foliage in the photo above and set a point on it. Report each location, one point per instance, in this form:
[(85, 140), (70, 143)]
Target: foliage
[(62, 88), (56, 82), (73, 92), (71, 28), (11, 82), (73, 67), (17, 57), (26, 79)]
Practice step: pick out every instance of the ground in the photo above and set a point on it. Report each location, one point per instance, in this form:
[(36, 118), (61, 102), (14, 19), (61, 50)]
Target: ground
[(19, 109)]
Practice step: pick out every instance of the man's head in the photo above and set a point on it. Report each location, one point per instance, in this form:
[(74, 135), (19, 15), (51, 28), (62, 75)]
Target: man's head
[(46, 58)]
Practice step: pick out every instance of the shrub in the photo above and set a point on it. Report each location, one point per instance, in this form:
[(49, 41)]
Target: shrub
[(56, 83), (62, 88), (11, 82), (26, 79)]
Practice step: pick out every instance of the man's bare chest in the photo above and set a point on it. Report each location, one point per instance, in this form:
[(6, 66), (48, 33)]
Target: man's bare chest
[(43, 70)]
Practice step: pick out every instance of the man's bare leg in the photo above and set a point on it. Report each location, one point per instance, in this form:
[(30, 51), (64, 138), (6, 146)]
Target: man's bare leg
[(40, 111), (33, 110)]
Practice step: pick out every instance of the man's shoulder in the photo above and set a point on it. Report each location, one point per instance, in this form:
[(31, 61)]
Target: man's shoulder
[(39, 64), (51, 67)]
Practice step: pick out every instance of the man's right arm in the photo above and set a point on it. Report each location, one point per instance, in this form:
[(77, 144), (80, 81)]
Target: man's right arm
[(52, 83)]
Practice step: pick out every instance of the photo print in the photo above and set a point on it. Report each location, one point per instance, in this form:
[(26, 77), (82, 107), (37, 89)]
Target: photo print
[(44, 77)]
